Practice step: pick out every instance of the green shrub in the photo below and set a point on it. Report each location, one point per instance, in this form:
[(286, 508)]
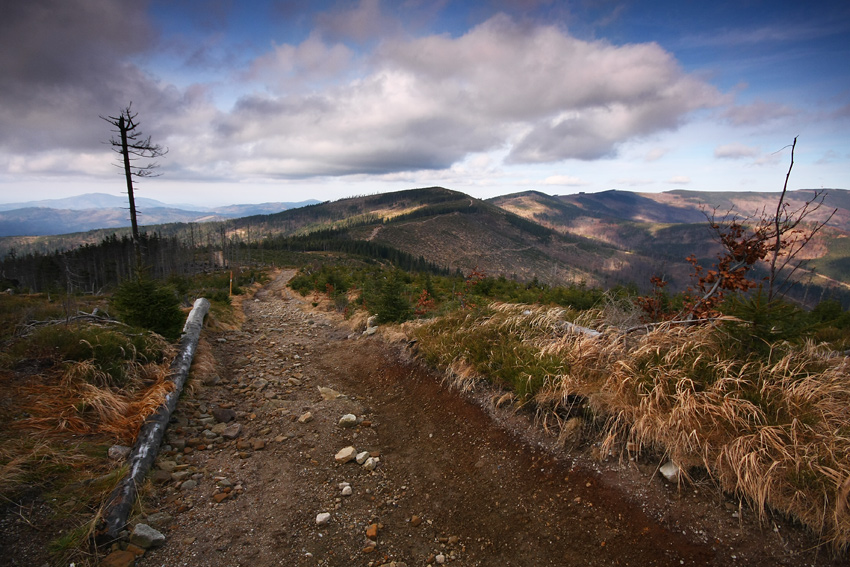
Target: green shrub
[(148, 304), (392, 304)]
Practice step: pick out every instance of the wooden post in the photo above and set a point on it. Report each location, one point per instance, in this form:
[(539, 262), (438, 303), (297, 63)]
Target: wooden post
[(121, 501)]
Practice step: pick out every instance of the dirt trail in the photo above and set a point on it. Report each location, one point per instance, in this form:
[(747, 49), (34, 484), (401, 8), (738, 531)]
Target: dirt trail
[(450, 486)]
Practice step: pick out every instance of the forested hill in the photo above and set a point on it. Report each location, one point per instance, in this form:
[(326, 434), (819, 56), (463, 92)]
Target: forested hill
[(598, 240)]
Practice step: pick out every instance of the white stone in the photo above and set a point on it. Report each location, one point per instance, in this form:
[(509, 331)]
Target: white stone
[(346, 455), (323, 518), (348, 420), (671, 471), (361, 457), (346, 491), (440, 559), (371, 464)]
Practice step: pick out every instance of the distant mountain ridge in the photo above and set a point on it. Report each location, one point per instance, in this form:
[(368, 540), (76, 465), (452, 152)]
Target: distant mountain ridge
[(600, 239), (101, 210)]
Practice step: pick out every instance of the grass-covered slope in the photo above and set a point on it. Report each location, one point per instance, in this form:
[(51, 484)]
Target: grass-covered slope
[(769, 425)]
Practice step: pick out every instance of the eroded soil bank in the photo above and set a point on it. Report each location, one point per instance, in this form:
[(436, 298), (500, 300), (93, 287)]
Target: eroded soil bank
[(452, 484)]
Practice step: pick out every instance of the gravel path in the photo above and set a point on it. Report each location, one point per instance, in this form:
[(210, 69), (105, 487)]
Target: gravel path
[(250, 476)]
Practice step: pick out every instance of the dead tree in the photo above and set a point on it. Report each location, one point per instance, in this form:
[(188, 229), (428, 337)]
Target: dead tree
[(132, 146), (773, 239), (776, 238)]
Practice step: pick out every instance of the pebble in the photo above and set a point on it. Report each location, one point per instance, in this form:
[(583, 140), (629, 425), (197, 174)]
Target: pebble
[(345, 455), (371, 464), (232, 431), (323, 518), (415, 520), (670, 471), (348, 420), (305, 418), (119, 452), (328, 394), (119, 558), (158, 519), (347, 491), (440, 559), (146, 537), (361, 457), (224, 415)]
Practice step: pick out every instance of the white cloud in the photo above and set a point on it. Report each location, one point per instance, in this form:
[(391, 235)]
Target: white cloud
[(289, 68), (679, 180), (758, 113), (735, 151), (566, 180), (427, 103), (655, 154), (526, 92)]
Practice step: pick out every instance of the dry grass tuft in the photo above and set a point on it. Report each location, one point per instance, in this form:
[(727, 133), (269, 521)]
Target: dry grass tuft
[(773, 430), (77, 406)]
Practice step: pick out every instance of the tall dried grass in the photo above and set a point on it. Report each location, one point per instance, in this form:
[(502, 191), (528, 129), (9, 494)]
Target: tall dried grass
[(78, 406), (773, 430)]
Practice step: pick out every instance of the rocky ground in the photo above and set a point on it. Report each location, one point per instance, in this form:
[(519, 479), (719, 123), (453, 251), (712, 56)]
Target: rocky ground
[(256, 470)]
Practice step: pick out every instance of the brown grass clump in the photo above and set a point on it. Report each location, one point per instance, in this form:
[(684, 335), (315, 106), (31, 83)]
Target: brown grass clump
[(78, 406), (774, 430)]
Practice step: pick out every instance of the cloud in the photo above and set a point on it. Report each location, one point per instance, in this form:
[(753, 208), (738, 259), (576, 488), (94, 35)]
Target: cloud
[(757, 113), (530, 92), (63, 62), (655, 154), (361, 23), (288, 68), (679, 180), (566, 180), (426, 103), (735, 151), (829, 157)]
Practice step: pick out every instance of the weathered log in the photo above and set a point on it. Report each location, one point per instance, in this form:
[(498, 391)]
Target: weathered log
[(120, 502)]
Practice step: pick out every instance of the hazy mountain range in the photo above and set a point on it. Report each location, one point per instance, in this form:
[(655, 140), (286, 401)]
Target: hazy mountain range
[(601, 239), (100, 210)]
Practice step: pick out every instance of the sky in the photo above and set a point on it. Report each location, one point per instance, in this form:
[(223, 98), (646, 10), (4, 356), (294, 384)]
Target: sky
[(288, 100)]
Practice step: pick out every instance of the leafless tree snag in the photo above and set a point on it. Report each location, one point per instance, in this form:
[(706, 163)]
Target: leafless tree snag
[(132, 146), (773, 239)]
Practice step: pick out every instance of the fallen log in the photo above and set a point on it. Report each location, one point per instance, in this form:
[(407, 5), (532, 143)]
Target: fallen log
[(121, 500)]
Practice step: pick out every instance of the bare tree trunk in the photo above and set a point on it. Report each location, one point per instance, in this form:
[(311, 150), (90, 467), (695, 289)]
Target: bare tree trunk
[(121, 501), (777, 221), (125, 152)]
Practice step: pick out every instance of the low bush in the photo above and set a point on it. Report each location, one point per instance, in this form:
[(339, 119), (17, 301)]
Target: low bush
[(145, 303)]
